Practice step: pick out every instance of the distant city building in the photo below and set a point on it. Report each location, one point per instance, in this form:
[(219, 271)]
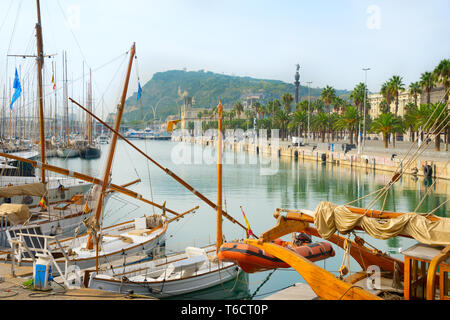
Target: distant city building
[(404, 98), (249, 100)]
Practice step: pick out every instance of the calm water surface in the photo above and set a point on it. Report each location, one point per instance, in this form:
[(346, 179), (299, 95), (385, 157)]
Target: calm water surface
[(297, 184)]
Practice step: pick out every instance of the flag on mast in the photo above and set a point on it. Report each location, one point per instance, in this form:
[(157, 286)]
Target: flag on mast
[(18, 89), (249, 230), (139, 93)]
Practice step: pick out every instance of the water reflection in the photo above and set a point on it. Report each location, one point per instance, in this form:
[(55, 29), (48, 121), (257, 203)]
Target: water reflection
[(296, 185)]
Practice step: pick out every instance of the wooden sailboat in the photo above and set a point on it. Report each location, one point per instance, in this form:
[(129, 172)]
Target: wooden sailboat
[(414, 278), (424, 272), (90, 150), (100, 245), (190, 271), (66, 150), (26, 193)]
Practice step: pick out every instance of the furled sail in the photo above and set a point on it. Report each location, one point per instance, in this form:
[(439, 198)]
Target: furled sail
[(15, 213), (330, 218), (30, 189)]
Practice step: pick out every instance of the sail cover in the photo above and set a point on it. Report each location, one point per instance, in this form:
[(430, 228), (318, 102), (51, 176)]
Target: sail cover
[(15, 213), (330, 218), (30, 189)]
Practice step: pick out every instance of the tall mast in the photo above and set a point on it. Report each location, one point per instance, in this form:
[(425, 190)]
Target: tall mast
[(40, 64), (66, 103), (219, 179), (112, 148), (90, 108)]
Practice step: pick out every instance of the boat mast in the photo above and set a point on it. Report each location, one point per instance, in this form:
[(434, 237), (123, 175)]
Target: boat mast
[(40, 64), (66, 103), (105, 180), (219, 179), (90, 109)]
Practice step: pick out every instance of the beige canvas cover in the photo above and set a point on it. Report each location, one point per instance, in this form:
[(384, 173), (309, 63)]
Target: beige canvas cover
[(30, 189), (15, 213), (330, 218)]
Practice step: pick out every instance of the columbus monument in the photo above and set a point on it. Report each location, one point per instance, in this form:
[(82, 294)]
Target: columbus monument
[(297, 83)]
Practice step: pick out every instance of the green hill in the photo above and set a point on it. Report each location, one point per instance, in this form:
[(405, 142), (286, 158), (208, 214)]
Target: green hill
[(164, 92)]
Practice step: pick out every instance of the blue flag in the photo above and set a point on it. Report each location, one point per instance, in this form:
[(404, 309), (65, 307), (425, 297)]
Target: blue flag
[(18, 88), (139, 93)]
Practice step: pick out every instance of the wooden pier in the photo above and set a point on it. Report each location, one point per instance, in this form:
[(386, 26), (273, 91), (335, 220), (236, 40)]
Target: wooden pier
[(11, 288)]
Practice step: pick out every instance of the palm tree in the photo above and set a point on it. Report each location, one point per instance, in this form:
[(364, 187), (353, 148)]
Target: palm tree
[(238, 108), (348, 121), (340, 104), (302, 105), (386, 93), (428, 81), (299, 121), (320, 122), (395, 85), (282, 118), (357, 96), (256, 107), (387, 123), (415, 89), (442, 72), (438, 121), (328, 95), (409, 118), (442, 75), (286, 100), (318, 105), (384, 106)]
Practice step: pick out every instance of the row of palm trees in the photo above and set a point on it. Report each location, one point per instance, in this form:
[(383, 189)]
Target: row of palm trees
[(331, 117)]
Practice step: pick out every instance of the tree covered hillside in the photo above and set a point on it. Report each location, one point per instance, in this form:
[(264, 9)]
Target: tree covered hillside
[(163, 94)]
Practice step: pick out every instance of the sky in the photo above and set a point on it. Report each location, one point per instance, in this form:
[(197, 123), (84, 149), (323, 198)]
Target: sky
[(331, 40)]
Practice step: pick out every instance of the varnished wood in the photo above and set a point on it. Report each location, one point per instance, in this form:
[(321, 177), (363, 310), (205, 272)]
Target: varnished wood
[(282, 228), (40, 65), (219, 236), (432, 269), (322, 282), (87, 178)]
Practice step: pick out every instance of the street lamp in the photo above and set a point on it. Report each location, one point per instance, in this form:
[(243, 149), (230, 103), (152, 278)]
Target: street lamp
[(309, 106), (365, 93)]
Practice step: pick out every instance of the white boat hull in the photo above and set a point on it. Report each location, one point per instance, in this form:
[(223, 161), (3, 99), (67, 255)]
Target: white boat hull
[(153, 278), (67, 153), (110, 250)]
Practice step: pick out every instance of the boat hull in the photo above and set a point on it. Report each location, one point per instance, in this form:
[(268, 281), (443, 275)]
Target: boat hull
[(169, 288), (67, 153), (87, 258), (89, 152), (252, 259)]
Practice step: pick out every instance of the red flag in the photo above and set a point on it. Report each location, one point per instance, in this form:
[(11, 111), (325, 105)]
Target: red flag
[(249, 230)]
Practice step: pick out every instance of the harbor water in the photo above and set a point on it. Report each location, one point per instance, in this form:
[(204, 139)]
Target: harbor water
[(289, 184)]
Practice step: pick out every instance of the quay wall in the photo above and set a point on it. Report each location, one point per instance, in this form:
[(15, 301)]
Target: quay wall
[(440, 168)]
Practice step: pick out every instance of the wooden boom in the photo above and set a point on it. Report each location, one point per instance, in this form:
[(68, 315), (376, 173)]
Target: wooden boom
[(86, 178), (166, 170)]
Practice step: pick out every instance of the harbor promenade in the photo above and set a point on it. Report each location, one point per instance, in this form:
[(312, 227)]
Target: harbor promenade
[(373, 157)]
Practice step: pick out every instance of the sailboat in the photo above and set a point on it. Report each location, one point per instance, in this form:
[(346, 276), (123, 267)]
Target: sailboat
[(66, 150), (100, 245), (31, 200), (89, 149), (186, 272), (422, 275)]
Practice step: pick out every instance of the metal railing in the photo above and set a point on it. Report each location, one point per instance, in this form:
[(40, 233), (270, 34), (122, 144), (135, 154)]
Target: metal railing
[(20, 246)]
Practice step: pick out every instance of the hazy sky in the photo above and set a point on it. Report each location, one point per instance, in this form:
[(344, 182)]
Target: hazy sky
[(331, 40)]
